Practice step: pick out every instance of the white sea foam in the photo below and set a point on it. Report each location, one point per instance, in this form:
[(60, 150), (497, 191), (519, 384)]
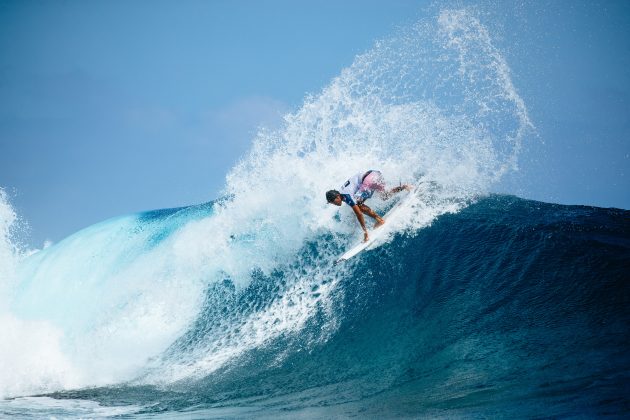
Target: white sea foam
[(51, 408), (31, 359)]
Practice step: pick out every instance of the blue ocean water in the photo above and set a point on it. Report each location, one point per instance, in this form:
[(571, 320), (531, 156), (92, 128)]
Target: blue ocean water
[(474, 305)]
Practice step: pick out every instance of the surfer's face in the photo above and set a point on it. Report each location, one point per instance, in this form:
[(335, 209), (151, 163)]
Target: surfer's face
[(337, 201)]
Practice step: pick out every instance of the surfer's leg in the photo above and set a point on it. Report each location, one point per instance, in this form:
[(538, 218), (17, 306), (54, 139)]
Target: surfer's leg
[(366, 210)]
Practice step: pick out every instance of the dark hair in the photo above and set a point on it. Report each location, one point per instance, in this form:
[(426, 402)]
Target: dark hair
[(331, 195)]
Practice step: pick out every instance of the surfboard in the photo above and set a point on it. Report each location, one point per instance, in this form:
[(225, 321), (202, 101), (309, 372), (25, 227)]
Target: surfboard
[(377, 233)]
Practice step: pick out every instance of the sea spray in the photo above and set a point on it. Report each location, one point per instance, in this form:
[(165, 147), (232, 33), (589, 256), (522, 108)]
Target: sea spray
[(9, 253), (31, 359), (432, 105)]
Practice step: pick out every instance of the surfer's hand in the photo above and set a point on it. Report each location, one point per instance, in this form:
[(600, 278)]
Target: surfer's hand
[(366, 237)]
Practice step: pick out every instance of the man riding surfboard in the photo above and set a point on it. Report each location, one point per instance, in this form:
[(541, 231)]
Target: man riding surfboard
[(359, 188)]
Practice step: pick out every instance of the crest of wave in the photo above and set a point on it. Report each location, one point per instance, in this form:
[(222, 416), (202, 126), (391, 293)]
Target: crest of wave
[(435, 100)]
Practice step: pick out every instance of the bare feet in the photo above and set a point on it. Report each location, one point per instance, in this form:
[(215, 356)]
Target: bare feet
[(379, 222)]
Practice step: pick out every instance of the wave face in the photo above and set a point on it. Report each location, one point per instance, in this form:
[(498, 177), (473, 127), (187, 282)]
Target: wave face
[(235, 307), (508, 307)]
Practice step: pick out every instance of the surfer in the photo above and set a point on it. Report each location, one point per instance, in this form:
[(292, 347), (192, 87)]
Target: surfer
[(359, 188)]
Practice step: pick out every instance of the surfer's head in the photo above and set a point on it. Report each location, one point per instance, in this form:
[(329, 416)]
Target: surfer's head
[(333, 197)]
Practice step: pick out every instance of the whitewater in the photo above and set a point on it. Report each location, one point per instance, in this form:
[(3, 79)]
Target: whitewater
[(476, 304)]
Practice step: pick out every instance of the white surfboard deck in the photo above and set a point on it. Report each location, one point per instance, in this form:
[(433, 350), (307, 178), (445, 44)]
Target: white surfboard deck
[(377, 233)]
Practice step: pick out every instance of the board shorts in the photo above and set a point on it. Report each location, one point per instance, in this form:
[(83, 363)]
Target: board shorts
[(361, 186), (372, 181)]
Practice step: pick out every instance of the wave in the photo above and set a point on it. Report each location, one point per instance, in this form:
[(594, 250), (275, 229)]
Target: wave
[(507, 306), (239, 298)]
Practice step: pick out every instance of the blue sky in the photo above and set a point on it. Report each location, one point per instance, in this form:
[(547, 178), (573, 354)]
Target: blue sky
[(112, 107)]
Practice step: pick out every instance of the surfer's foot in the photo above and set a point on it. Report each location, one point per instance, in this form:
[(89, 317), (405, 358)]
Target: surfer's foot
[(378, 223)]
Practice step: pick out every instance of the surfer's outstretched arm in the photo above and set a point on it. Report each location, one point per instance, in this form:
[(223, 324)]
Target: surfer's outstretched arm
[(359, 214)]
